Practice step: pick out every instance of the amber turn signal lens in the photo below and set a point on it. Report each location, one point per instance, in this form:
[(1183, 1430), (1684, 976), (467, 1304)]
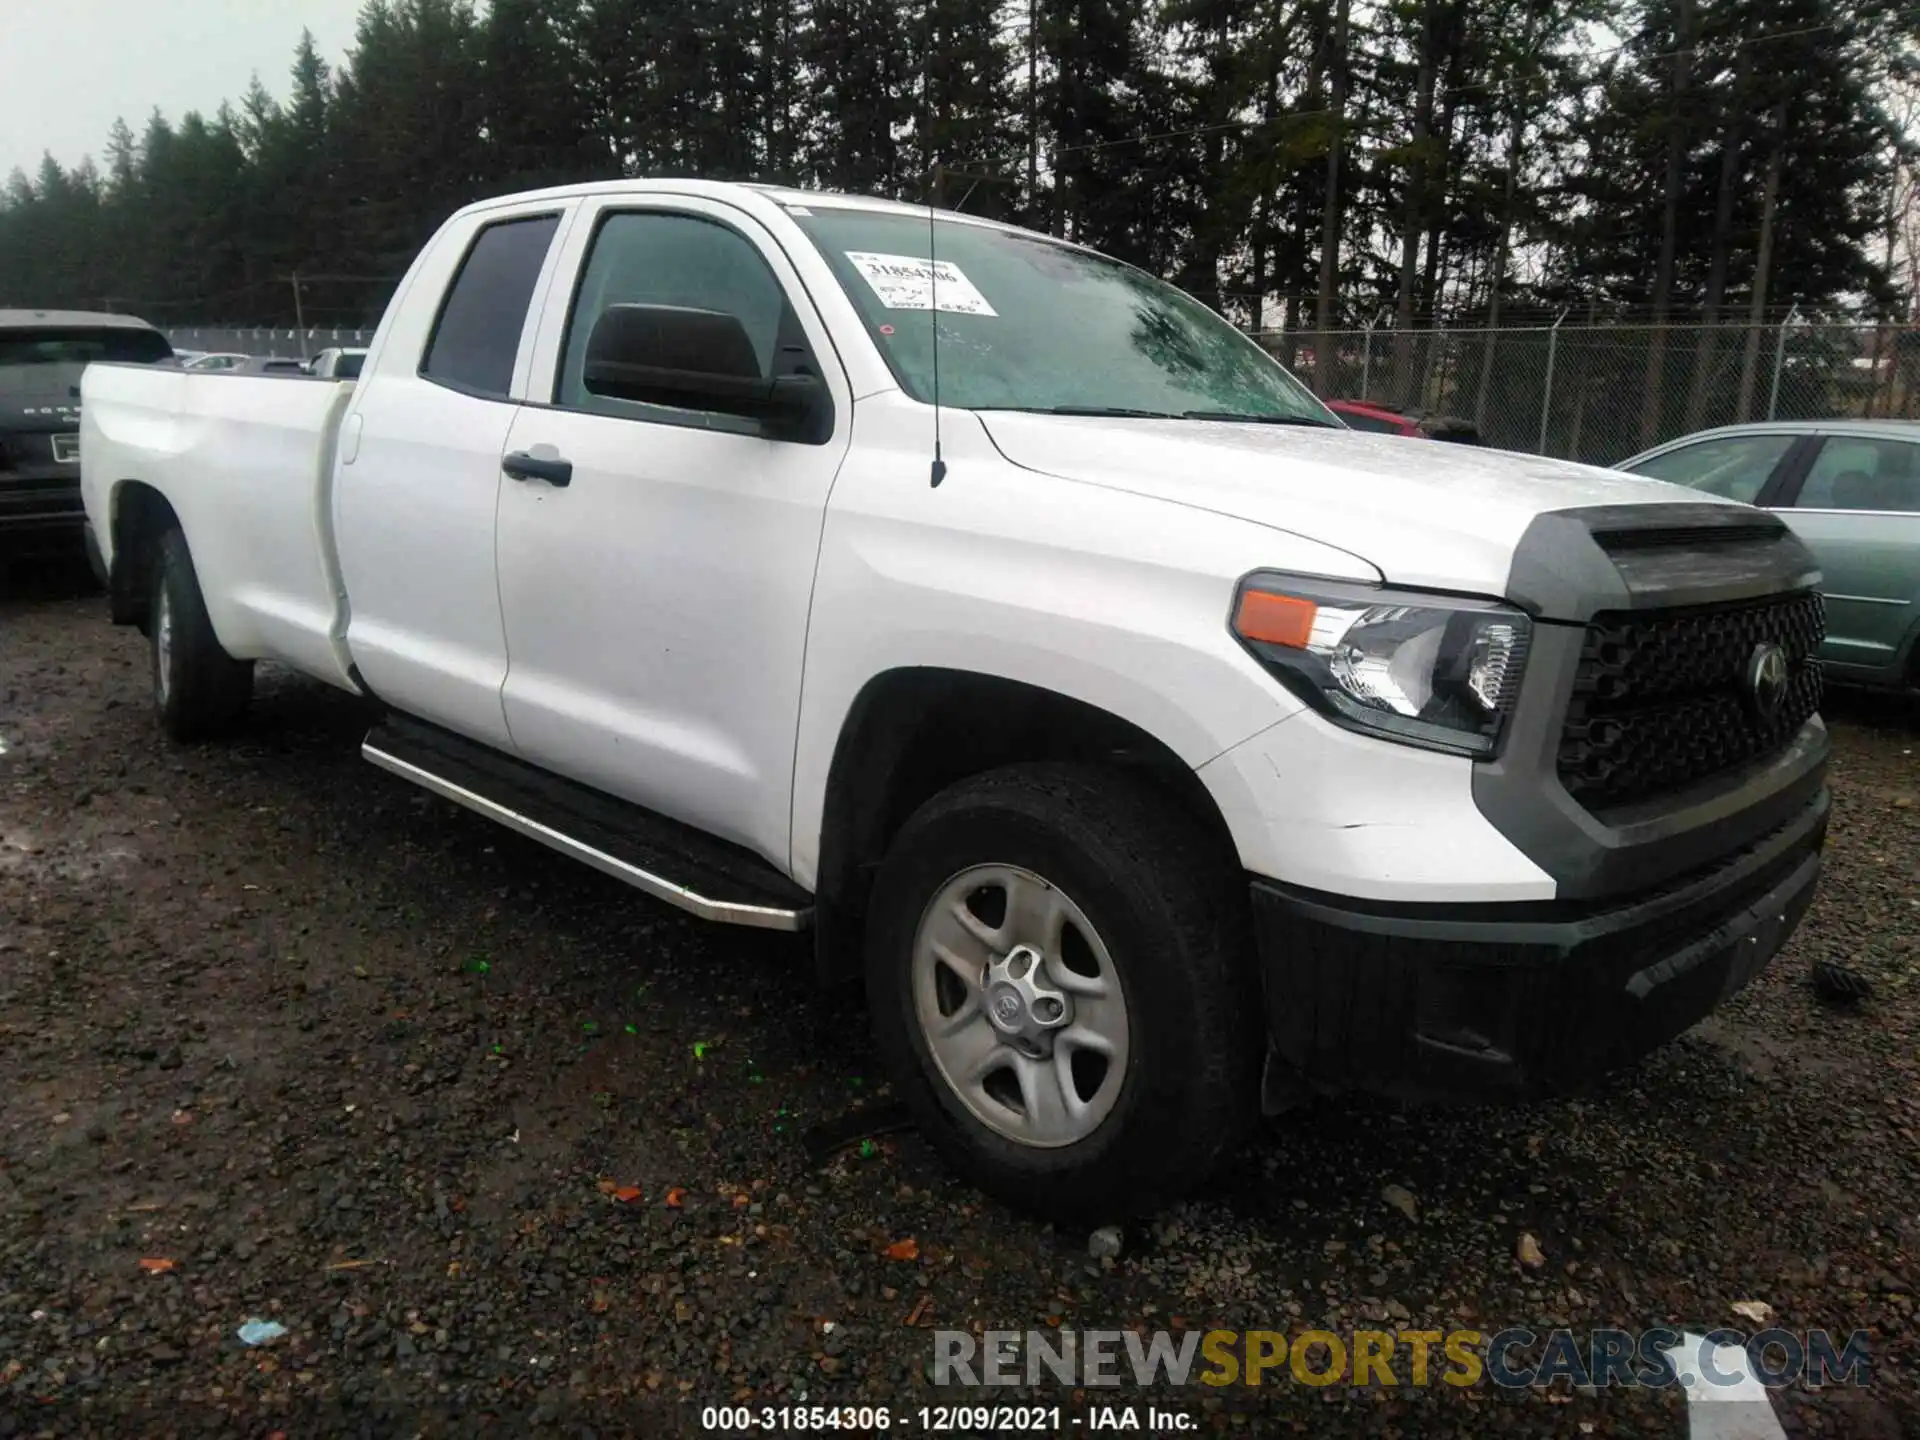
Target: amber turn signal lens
[(1274, 619)]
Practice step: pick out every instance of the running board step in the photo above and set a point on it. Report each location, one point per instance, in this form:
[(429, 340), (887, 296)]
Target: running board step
[(669, 861)]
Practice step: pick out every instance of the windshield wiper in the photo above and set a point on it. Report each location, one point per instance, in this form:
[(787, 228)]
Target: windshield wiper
[(1236, 416), (1101, 411), (1122, 412)]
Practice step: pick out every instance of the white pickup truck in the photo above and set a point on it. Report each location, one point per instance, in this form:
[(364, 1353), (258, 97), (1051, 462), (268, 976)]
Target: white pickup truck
[(1159, 749)]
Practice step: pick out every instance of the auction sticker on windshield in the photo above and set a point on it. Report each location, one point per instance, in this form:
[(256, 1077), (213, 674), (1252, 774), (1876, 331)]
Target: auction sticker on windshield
[(906, 282)]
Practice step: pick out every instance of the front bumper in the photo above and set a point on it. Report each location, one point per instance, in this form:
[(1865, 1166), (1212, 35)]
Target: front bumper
[(1516, 1001)]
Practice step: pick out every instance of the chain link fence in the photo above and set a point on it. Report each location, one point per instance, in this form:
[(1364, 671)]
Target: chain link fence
[(1597, 393), (264, 343), (1601, 393)]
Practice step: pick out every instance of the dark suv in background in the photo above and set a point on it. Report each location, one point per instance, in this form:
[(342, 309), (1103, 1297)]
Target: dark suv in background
[(42, 353)]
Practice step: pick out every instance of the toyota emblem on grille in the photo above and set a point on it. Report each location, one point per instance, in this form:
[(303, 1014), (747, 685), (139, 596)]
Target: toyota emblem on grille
[(1767, 679)]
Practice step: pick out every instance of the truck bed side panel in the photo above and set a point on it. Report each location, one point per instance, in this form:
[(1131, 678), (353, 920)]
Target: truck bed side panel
[(245, 461)]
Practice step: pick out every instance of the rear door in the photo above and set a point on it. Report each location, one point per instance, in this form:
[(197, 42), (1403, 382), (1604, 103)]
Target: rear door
[(1858, 508), (419, 475)]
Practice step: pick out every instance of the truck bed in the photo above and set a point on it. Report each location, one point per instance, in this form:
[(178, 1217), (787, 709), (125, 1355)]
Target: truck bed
[(245, 462)]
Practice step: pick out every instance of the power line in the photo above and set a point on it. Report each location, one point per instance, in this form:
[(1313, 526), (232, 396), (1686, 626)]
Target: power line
[(274, 282)]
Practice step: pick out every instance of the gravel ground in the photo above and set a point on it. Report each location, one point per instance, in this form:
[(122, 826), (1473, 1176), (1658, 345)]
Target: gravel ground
[(283, 1039)]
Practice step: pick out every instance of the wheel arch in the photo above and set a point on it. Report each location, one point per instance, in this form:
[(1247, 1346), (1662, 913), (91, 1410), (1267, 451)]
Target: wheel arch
[(139, 514), (912, 732)]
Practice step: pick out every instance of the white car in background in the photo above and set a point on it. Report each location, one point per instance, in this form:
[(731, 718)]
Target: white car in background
[(218, 361), (336, 363)]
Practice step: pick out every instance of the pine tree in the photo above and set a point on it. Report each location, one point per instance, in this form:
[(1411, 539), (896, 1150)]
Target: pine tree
[(859, 63), (534, 102), (1460, 157)]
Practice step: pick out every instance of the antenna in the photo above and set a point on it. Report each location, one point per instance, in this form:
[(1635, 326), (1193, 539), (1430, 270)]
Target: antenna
[(933, 315)]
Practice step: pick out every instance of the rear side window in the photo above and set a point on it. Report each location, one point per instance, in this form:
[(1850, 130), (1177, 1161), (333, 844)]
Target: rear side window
[(78, 346), (478, 333), (1852, 474)]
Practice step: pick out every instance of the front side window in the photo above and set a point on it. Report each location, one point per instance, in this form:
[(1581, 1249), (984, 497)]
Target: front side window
[(478, 334), (683, 261), (1027, 323), (1863, 475), (1734, 467)]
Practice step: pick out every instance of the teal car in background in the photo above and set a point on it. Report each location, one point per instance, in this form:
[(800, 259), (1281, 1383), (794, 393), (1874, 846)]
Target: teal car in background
[(1851, 490)]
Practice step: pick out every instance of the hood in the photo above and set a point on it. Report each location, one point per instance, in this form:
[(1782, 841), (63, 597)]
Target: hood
[(1430, 515)]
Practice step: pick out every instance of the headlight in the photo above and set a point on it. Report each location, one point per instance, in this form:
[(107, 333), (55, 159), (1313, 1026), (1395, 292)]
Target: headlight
[(1437, 671)]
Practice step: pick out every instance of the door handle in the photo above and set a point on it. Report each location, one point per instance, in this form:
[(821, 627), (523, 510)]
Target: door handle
[(522, 466)]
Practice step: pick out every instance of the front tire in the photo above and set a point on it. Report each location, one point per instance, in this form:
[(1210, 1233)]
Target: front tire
[(199, 690), (1060, 984)]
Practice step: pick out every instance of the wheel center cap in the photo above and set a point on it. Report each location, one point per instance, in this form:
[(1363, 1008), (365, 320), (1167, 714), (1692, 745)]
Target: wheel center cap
[(1022, 1003), (1008, 1009)]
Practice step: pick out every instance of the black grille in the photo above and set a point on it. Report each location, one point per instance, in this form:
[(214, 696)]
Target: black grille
[(1662, 700)]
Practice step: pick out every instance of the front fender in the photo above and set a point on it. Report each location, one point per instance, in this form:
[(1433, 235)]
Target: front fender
[(1115, 600)]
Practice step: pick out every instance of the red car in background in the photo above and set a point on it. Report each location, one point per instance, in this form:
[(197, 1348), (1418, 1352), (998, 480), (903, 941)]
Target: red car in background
[(1380, 420)]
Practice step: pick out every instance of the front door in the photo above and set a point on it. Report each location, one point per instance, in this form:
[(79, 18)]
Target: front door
[(656, 563)]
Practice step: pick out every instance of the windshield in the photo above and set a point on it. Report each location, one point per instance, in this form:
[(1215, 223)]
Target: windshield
[(80, 347), (1030, 324), (40, 367)]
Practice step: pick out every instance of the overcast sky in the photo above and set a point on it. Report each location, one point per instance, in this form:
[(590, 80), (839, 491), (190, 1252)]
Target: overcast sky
[(68, 67)]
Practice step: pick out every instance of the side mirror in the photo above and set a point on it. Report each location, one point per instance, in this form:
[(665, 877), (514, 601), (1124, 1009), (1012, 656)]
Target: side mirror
[(697, 360)]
